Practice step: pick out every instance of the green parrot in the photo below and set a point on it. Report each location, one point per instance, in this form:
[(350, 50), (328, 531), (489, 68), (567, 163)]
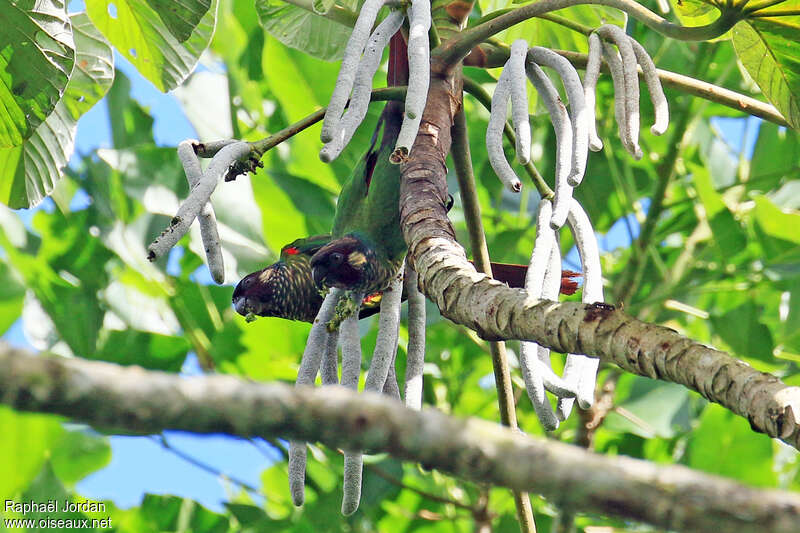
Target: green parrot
[(364, 252), (368, 248), (286, 289)]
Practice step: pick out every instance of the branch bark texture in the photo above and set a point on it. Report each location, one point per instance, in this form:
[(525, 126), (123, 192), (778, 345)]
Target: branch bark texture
[(672, 497), (498, 312)]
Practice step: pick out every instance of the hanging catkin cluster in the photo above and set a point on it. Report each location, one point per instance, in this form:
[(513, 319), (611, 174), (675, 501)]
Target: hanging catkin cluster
[(321, 352), (575, 132), (197, 204), (361, 59)]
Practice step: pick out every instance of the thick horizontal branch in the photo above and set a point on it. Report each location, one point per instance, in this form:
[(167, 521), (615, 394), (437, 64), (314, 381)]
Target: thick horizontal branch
[(498, 312), (108, 395)]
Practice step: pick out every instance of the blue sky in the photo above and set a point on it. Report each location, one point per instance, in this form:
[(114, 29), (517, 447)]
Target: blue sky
[(141, 464)]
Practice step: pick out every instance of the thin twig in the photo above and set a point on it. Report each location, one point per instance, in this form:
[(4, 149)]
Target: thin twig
[(161, 439), (502, 376)]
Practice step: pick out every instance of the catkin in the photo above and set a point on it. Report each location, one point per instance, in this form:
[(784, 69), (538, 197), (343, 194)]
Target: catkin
[(519, 100), (362, 89), (386, 342), (653, 82), (589, 88), (578, 112), (494, 133), (620, 113), (529, 358), (581, 369), (351, 370), (198, 197), (207, 219), (563, 130), (630, 83), (419, 64), (316, 345), (347, 71), (415, 356)]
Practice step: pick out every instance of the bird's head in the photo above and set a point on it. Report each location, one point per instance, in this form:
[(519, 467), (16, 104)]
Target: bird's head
[(342, 263), (268, 292)]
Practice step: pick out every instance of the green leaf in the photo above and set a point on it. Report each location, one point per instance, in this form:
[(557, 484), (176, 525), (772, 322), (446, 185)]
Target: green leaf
[(94, 67), (308, 32), (28, 439), (130, 123), (47, 487), (149, 350), (322, 6), (29, 172), (776, 156), (742, 330), (693, 8), (276, 360), (653, 409), (78, 454), (540, 32), (729, 238), (724, 444), (181, 17), (170, 513), (12, 293), (140, 34), (315, 202), (775, 222), (65, 276), (36, 58), (768, 49)]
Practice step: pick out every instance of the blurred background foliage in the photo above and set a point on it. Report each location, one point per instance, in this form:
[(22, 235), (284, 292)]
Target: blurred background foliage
[(722, 266)]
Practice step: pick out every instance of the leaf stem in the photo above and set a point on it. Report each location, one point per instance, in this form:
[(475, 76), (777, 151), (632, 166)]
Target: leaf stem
[(266, 144)]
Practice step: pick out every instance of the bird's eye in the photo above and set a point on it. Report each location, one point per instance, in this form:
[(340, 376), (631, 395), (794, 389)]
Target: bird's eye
[(336, 258)]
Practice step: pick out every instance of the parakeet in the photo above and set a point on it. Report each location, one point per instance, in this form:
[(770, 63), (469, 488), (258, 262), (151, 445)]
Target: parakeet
[(367, 247), (286, 289)]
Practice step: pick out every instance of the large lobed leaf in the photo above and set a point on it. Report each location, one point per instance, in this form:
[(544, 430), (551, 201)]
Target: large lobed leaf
[(36, 57), (162, 53), (29, 172), (303, 30), (768, 48)]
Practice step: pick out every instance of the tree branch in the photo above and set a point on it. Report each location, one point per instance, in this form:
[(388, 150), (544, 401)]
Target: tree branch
[(455, 49), (498, 312), (672, 497)]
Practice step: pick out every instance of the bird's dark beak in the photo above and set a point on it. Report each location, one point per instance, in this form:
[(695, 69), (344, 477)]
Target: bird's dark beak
[(319, 273), (240, 304)]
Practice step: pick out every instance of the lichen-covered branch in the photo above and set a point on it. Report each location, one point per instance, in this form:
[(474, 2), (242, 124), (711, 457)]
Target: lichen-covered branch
[(496, 311), (670, 497)]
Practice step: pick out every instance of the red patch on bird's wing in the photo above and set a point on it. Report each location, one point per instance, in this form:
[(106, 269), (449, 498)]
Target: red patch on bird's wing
[(568, 286), (372, 298), (292, 250)]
